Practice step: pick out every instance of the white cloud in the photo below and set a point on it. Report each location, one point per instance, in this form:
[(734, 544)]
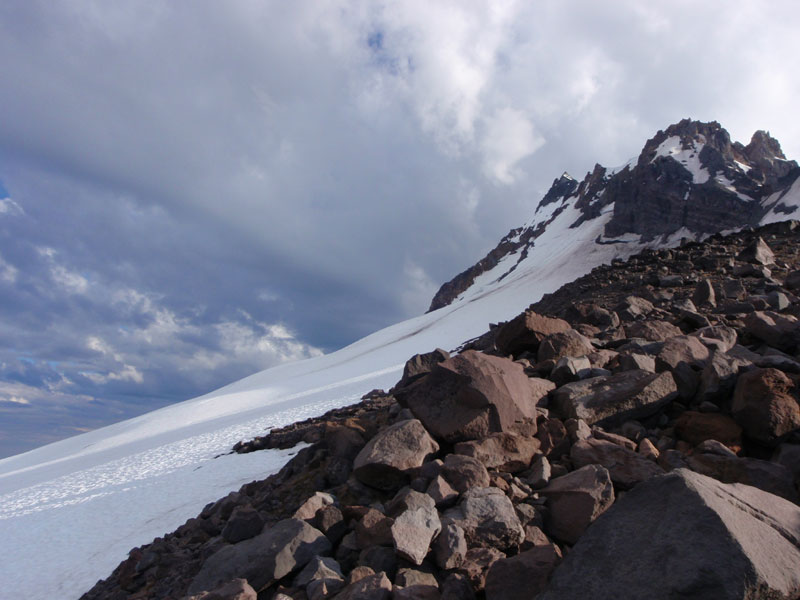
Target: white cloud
[(509, 138), (9, 207), (8, 272)]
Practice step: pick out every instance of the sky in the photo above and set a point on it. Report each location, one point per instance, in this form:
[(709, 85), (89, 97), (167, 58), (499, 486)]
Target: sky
[(191, 192)]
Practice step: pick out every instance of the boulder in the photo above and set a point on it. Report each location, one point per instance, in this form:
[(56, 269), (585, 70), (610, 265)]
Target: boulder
[(488, 519), (320, 567), (457, 586), (570, 368), (413, 530), (420, 364), (792, 281), (442, 493), (704, 293), (450, 548), (553, 438), (476, 565), (371, 587), (383, 462), (523, 576), (633, 307), (472, 395), (507, 452), (757, 252), (717, 337), (374, 529), (564, 343), (774, 329), (652, 330), (592, 314), (464, 472), (718, 377), (308, 510), (626, 467), (612, 400), (767, 476), (682, 349), (575, 500), (237, 589), (526, 331), (684, 535), (628, 361), (696, 427), (244, 523), (281, 549), (764, 405)]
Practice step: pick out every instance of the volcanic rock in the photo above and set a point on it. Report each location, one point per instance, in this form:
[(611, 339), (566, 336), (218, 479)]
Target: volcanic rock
[(764, 406), (684, 535)]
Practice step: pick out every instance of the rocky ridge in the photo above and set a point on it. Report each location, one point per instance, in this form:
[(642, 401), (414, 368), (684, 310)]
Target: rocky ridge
[(689, 179), (647, 412)]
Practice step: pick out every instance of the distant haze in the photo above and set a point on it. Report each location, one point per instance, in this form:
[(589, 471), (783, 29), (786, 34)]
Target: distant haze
[(192, 192)]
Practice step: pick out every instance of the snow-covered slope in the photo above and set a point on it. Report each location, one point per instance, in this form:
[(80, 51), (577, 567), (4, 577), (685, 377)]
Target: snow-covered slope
[(70, 511)]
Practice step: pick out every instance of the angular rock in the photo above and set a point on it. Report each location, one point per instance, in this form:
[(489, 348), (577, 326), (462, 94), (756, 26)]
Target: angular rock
[(285, 547), (507, 452), (464, 472), (626, 467), (717, 337), (774, 329), (308, 510), (757, 252), (420, 364), (385, 459), (613, 400), (764, 405), (526, 331), (696, 427), (523, 576), (320, 567), (764, 475), (629, 361), (237, 589), (450, 548), (371, 587), (569, 368), (686, 536), (718, 377), (564, 343), (704, 294), (374, 529), (457, 587), (575, 500), (488, 519), (652, 330), (442, 493), (244, 523), (472, 395), (477, 563), (412, 532), (682, 349), (592, 314), (538, 476), (792, 281), (378, 558), (633, 307), (553, 437)]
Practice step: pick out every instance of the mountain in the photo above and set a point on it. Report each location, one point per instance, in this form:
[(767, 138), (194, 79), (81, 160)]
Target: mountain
[(689, 181), (75, 508)]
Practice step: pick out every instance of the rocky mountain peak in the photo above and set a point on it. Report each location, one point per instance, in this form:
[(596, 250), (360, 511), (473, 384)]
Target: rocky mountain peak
[(690, 180)]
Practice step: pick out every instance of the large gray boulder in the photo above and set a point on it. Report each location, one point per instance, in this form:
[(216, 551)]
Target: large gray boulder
[(684, 535), (383, 462), (575, 500), (471, 395), (488, 519), (612, 400), (281, 549)]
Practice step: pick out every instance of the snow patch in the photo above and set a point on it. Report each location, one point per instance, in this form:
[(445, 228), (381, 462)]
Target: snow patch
[(689, 157)]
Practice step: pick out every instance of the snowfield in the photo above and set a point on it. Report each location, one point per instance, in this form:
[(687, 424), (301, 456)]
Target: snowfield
[(71, 511)]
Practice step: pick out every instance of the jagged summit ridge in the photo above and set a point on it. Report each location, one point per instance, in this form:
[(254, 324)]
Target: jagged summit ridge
[(689, 181)]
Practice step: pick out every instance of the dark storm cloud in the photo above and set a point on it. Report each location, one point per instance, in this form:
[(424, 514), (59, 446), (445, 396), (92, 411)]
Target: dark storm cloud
[(190, 193)]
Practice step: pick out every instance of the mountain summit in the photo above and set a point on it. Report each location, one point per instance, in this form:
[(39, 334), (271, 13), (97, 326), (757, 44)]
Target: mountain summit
[(689, 181)]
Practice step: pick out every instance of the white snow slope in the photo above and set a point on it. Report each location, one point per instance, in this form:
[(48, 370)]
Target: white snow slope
[(71, 511)]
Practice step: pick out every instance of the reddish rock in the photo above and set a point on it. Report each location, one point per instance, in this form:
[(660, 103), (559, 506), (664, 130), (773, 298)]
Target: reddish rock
[(696, 427), (371, 587), (244, 523), (477, 563), (565, 343), (472, 395), (443, 493), (394, 450), (717, 337), (613, 400), (464, 472), (633, 307), (774, 329), (526, 331), (507, 452), (575, 500), (553, 438), (654, 331), (758, 252), (764, 475), (765, 406), (420, 364), (488, 519), (626, 467), (450, 547), (236, 589), (682, 349), (374, 529), (506, 577)]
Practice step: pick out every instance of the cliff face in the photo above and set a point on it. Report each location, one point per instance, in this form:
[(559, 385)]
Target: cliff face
[(690, 180)]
